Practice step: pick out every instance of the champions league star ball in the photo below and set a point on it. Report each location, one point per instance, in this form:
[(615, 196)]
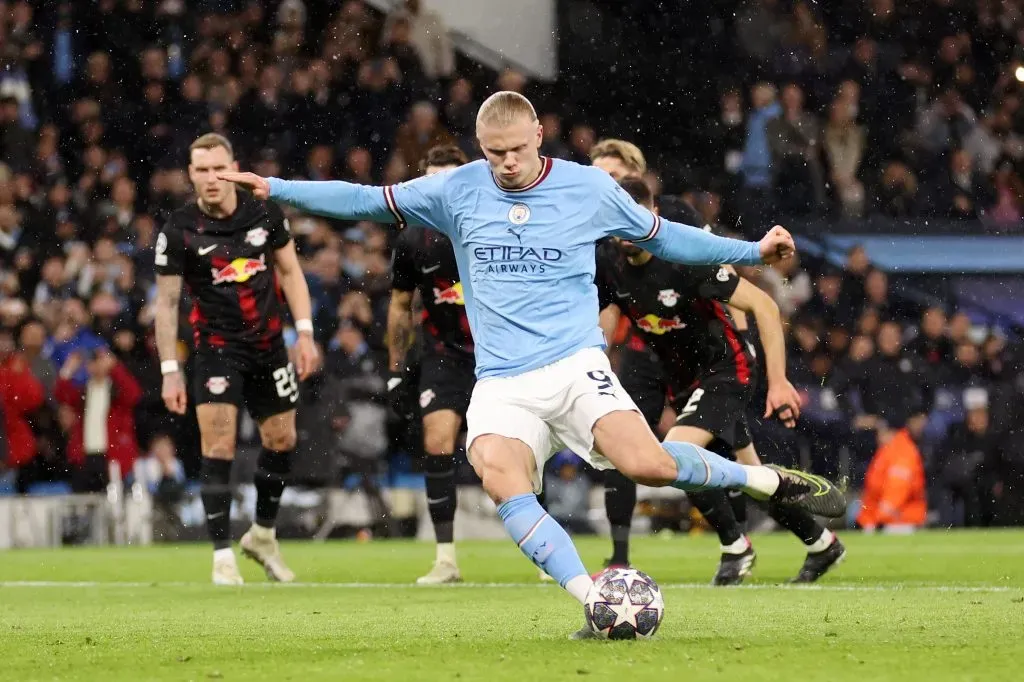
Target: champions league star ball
[(624, 604)]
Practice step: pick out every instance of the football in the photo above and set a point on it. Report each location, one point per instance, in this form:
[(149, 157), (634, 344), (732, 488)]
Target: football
[(624, 604)]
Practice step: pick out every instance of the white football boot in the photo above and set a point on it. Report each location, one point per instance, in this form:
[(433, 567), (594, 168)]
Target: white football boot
[(225, 569), (442, 573), (260, 545)]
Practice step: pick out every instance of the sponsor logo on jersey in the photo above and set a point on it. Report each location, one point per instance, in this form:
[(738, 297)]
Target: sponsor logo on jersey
[(452, 294), (256, 236), (507, 259), (652, 324), (668, 297), (239, 270)]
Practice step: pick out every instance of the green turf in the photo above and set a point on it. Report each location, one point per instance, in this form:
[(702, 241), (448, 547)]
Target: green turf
[(935, 606)]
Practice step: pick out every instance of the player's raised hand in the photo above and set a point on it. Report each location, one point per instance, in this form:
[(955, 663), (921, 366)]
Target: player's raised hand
[(307, 357), (777, 245), (173, 393), (259, 186), (783, 402)]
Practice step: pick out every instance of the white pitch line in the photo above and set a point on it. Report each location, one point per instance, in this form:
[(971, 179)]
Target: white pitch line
[(386, 586)]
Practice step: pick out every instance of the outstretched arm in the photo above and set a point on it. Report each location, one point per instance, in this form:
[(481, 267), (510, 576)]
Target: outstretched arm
[(419, 202), (622, 217)]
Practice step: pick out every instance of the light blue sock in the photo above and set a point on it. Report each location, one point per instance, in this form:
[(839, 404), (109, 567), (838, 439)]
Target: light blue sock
[(541, 539), (700, 469)]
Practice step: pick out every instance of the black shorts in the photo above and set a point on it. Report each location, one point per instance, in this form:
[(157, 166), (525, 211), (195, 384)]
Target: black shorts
[(264, 383), (641, 375), (718, 405), (446, 383)]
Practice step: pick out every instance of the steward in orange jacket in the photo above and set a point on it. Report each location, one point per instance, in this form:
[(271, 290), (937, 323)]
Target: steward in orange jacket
[(894, 488)]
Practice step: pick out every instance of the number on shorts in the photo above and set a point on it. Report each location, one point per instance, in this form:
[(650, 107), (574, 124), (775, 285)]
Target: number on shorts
[(691, 404), (604, 382), (284, 378)]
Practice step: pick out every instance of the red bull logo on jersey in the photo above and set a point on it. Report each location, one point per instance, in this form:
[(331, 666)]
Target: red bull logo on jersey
[(452, 294), (239, 270), (652, 324)]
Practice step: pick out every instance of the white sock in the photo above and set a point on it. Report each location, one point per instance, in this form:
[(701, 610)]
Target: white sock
[(446, 553), (738, 547), (761, 481), (822, 543), (579, 587), (226, 554)]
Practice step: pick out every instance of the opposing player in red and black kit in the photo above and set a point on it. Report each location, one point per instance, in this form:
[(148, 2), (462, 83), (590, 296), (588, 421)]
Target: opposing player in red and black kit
[(425, 262), (236, 257), (682, 314)]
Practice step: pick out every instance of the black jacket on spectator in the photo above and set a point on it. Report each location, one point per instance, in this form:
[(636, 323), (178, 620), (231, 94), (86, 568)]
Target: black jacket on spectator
[(894, 388)]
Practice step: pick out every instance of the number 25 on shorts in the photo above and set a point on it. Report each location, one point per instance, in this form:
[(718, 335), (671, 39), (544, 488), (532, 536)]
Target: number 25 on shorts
[(284, 380)]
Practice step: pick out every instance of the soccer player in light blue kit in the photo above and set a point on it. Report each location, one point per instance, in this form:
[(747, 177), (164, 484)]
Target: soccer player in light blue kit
[(524, 228)]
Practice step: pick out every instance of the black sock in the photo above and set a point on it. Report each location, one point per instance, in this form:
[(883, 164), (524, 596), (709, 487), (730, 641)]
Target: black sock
[(714, 506), (738, 502), (272, 469), (215, 479), (799, 522), (440, 475), (619, 503)]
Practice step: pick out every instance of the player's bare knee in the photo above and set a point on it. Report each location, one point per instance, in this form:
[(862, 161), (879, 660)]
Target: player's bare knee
[(280, 441), (650, 468), (438, 442), (220, 451)]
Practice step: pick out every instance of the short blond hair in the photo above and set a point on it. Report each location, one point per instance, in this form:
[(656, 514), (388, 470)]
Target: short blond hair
[(212, 141), (505, 108), (626, 152)]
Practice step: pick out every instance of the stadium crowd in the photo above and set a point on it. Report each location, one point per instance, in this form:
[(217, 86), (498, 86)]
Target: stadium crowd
[(849, 109)]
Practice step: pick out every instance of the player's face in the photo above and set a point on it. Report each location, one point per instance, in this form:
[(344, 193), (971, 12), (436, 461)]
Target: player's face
[(513, 151), (438, 169), (203, 169), (614, 167)]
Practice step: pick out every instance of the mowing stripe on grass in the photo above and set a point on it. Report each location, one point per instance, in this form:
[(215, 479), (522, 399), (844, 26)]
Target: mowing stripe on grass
[(896, 587)]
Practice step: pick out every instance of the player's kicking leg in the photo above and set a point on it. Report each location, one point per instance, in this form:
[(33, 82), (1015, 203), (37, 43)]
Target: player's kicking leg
[(440, 429), (277, 434), (824, 549), (218, 424)]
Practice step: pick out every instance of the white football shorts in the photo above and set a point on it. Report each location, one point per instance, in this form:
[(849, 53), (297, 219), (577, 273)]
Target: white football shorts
[(550, 408)]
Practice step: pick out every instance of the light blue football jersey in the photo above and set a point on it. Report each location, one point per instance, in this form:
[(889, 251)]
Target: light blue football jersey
[(527, 256)]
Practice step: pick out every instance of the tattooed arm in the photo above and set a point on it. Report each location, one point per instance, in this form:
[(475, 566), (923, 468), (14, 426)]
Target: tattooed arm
[(168, 293), (400, 331)]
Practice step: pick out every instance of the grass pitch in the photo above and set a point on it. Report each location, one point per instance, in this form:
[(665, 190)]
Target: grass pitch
[(935, 606)]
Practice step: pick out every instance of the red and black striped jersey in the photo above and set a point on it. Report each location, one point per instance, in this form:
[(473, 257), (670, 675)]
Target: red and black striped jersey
[(228, 267), (680, 312), (424, 260)]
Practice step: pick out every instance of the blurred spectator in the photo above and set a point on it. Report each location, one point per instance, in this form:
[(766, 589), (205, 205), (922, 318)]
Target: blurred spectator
[(569, 493), (892, 385), (429, 35), (788, 284), (894, 495), (961, 193), (844, 142), (21, 394), (756, 167), (897, 191), (552, 144), (965, 456), (793, 139), (931, 343), (100, 420), (582, 138), (419, 133)]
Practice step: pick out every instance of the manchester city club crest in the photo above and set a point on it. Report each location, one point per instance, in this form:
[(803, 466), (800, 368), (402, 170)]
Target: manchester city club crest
[(519, 214)]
